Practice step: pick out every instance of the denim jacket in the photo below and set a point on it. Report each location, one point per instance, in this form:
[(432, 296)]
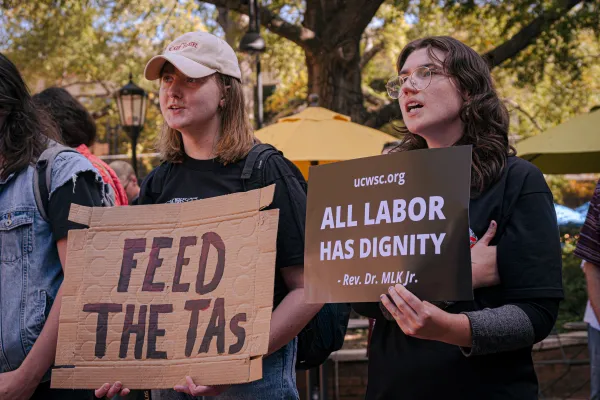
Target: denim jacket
[(30, 269)]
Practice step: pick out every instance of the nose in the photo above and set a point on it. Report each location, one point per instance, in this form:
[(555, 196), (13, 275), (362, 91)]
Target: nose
[(174, 90), (408, 88)]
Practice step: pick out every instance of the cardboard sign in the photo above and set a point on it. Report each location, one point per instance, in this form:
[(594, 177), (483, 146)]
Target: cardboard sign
[(398, 218), (155, 293)]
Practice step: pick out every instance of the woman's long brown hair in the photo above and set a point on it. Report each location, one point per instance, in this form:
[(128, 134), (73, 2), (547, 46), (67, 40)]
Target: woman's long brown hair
[(485, 118), (26, 129)]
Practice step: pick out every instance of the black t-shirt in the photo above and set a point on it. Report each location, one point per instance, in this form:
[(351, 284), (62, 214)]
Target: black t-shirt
[(85, 191), (200, 179), (529, 264)]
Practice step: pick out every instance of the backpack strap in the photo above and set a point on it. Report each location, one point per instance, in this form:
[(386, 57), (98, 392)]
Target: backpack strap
[(42, 178), (256, 159)]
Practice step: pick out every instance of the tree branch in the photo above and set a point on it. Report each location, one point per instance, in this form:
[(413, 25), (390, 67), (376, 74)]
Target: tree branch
[(383, 115), (303, 37), (528, 34), (369, 54), (101, 113), (517, 107), (357, 18), (374, 98)]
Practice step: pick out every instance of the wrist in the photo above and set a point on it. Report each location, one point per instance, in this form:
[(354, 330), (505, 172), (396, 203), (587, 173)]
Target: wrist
[(458, 330), (476, 281)]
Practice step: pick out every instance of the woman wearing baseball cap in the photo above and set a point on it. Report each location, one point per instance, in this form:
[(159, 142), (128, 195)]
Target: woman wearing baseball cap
[(204, 142)]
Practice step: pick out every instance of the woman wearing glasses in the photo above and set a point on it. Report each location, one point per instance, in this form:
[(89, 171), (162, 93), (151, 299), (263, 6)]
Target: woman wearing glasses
[(478, 349)]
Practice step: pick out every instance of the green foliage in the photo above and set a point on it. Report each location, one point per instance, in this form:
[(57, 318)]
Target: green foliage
[(57, 42), (572, 307), (554, 79), (96, 44), (570, 193)]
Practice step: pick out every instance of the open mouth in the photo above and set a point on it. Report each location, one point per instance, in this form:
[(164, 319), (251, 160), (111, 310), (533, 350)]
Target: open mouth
[(175, 108), (412, 106)]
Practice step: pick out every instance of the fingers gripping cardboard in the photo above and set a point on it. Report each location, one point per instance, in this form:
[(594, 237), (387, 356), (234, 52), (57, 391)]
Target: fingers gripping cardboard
[(155, 293)]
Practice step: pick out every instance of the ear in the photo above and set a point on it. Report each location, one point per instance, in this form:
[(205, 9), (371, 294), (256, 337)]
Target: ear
[(222, 102)]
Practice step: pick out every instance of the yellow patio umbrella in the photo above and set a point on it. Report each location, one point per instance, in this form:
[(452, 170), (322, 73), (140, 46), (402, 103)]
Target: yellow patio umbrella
[(570, 148), (320, 136)]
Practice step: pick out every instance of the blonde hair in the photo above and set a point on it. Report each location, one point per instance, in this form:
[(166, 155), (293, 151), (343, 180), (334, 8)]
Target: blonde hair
[(236, 138)]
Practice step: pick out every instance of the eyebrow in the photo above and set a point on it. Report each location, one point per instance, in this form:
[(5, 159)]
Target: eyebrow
[(429, 65)]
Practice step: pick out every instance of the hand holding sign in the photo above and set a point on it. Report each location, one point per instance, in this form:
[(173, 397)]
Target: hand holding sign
[(110, 391), (198, 390), (423, 320)]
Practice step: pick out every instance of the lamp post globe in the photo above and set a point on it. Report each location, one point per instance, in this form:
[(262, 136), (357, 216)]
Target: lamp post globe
[(132, 102)]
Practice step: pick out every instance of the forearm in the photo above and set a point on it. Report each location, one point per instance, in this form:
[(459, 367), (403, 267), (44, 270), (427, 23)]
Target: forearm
[(289, 318), (42, 354), (592, 277)]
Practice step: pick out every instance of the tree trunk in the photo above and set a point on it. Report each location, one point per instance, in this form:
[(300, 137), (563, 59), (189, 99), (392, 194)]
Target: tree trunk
[(330, 35), (335, 76)]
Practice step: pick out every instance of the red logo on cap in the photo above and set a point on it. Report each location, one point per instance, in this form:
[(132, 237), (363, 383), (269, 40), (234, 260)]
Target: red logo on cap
[(183, 46)]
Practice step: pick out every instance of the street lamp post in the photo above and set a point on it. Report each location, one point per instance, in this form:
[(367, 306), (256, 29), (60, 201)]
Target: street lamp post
[(253, 43), (132, 102)]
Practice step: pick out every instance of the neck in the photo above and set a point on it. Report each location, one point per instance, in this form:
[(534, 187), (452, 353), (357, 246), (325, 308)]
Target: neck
[(444, 138), (200, 142)]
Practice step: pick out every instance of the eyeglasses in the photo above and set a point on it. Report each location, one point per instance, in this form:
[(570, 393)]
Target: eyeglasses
[(420, 79)]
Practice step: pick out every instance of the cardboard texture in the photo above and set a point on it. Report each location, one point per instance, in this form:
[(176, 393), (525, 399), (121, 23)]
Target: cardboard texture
[(402, 218), (155, 293)]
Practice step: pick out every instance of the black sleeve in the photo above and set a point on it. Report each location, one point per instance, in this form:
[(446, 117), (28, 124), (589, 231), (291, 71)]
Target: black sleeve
[(290, 199), (85, 191), (529, 253), (542, 313)]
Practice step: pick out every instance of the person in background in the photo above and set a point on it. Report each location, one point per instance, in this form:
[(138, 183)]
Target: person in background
[(128, 180), (33, 250), (588, 249), (78, 130)]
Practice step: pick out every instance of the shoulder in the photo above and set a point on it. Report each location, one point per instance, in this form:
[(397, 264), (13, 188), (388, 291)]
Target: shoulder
[(523, 174), (595, 201), (71, 159), (154, 181), (150, 177), (67, 166), (278, 167)]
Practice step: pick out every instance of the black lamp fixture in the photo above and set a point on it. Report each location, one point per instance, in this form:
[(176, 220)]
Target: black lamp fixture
[(253, 43), (132, 102)]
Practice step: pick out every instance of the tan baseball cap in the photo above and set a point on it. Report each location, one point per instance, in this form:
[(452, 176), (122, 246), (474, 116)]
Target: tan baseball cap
[(196, 54)]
